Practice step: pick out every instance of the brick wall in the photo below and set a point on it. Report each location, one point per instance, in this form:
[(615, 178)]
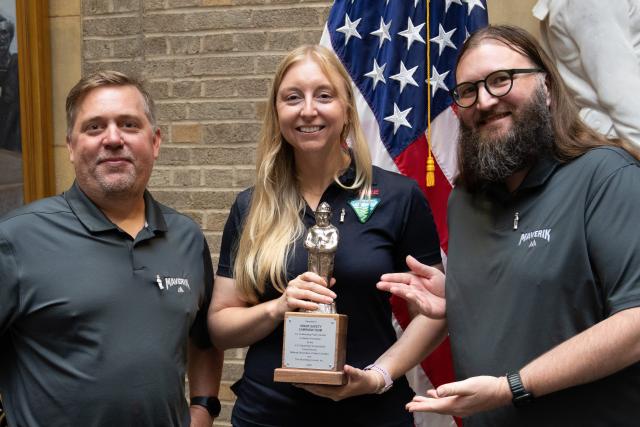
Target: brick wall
[(208, 64)]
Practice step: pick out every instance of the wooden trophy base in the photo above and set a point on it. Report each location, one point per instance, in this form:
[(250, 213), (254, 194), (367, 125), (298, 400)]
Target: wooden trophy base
[(313, 349), (309, 376)]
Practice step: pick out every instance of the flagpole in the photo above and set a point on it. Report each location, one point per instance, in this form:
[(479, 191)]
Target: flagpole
[(431, 167)]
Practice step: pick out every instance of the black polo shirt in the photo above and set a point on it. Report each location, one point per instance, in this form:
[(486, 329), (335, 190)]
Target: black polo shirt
[(401, 224), (94, 324), (570, 260)]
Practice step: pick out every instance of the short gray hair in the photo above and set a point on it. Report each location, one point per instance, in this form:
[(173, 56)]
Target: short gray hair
[(102, 79)]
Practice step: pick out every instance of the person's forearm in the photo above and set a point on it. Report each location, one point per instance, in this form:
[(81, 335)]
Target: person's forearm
[(204, 369), (418, 340), (235, 327), (597, 352)]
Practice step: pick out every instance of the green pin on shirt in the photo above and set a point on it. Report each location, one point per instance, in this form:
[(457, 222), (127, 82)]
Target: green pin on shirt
[(364, 208)]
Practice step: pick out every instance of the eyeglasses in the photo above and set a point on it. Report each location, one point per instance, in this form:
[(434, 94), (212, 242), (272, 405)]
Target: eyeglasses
[(498, 83)]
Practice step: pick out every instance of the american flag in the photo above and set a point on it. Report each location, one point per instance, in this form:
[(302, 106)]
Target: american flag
[(383, 45)]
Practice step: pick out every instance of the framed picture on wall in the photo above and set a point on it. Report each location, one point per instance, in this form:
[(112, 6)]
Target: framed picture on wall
[(25, 103)]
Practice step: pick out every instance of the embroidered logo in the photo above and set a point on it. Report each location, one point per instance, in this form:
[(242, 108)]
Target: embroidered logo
[(529, 238), (166, 283), (364, 208)]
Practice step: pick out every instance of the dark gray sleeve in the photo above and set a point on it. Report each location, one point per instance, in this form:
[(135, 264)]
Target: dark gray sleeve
[(199, 332), (613, 238), (231, 234), (9, 286)]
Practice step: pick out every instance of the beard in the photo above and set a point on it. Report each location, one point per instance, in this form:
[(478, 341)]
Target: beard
[(486, 159), (121, 183), (98, 178)]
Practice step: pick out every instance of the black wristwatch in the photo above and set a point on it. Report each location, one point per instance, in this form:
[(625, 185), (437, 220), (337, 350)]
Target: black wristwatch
[(521, 397), (210, 403)]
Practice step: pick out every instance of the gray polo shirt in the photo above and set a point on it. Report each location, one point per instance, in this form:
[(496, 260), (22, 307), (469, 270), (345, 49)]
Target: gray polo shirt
[(94, 324), (573, 260)]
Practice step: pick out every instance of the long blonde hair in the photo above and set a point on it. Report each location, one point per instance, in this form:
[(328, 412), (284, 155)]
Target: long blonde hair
[(273, 223)]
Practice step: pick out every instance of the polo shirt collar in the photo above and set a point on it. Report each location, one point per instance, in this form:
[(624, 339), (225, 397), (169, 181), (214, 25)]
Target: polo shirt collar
[(539, 174), (153, 214), (96, 221), (333, 191), (349, 175)]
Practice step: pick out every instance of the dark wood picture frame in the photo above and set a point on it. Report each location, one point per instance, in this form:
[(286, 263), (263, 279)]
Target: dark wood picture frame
[(34, 68)]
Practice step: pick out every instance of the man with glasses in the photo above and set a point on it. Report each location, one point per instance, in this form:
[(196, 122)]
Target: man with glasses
[(543, 279)]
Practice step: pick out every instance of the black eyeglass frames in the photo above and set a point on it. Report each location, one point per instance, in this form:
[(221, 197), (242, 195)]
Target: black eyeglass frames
[(498, 83)]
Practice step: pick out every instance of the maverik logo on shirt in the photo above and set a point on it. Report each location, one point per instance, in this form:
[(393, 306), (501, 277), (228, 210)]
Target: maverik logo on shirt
[(166, 283), (531, 236)]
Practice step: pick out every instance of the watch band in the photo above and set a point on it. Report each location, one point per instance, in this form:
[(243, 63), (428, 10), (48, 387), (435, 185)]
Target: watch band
[(521, 396), (388, 382), (210, 403)]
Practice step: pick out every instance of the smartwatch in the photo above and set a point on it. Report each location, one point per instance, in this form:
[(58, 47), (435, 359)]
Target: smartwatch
[(210, 403), (521, 396)]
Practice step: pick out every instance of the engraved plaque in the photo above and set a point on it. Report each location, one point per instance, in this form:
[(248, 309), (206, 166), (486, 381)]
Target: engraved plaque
[(309, 343)]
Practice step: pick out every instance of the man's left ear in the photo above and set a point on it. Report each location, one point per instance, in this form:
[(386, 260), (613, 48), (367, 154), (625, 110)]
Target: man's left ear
[(69, 149), (157, 141), (547, 91)]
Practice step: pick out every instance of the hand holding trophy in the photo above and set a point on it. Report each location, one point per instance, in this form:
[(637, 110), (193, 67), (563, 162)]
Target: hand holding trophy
[(314, 343)]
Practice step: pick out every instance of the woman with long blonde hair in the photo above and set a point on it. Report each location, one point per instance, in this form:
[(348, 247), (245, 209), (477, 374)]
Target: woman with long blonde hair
[(312, 150)]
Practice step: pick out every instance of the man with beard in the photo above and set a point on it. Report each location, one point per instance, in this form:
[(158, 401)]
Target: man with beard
[(543, 279), (104, 291), (9, 92)]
